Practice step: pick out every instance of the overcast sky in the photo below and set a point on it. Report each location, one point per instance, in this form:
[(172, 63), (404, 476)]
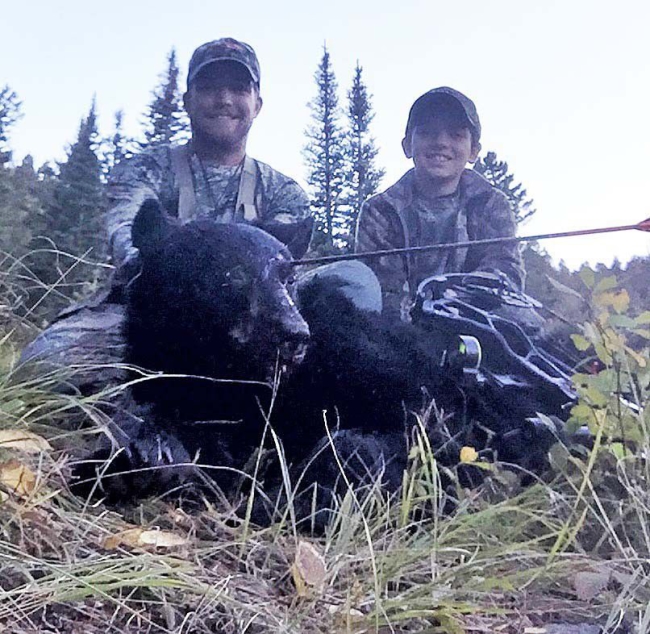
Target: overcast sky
[(562, 87)]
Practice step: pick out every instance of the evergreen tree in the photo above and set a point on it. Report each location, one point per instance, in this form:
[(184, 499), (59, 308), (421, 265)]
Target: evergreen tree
[(165, 119), (497, 173), (18, 207), (324, 156), (362, 176), (75, 221), (117, 146), (9, 114), (24, 263)]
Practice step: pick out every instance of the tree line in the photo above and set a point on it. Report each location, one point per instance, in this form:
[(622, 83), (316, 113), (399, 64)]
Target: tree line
[(52, 237)]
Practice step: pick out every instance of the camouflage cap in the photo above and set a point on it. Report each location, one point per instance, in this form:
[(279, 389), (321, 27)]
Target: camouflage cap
[(225, 49), (442, 96)]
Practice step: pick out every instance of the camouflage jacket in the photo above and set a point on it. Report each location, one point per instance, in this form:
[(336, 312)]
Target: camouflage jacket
[(388, 220), (278, 199)]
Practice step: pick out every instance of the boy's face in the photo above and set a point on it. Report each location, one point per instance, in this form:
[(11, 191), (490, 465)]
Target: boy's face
[(441, 145)]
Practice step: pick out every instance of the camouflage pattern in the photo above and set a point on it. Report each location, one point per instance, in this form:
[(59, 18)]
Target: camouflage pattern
[(278, 199), (396, 218), (225, 49)]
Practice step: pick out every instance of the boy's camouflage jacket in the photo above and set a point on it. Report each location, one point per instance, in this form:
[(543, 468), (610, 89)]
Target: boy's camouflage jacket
[(388, 221)]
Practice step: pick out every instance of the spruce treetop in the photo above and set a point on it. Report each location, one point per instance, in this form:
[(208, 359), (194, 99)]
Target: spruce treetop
[(165, 119), (496, 172), (9, 114)]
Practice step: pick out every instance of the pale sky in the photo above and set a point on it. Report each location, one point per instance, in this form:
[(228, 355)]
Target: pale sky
[(562, 87)]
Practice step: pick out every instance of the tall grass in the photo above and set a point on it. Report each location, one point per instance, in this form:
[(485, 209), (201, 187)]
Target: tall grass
[(433, 557)]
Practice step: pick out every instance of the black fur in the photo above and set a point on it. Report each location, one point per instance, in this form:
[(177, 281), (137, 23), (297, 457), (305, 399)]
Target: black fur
[(216, 303)]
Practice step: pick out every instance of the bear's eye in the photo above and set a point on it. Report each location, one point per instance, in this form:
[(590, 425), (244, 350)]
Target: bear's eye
[(286, 273), (236, 277)]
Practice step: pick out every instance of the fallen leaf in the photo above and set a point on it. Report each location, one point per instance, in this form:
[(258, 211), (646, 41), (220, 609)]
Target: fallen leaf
[(141, 537), (345, 611), (162, 539), (468, 454), (308, 569), (17, 478), (128, 537), (23, 440), (589, 585)]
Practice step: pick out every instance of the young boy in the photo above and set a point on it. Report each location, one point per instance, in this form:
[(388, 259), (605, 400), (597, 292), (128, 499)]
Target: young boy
[(438, 201)]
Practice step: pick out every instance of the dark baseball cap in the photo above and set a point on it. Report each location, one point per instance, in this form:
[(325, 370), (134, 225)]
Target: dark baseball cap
[(443, 97), (225, 49)]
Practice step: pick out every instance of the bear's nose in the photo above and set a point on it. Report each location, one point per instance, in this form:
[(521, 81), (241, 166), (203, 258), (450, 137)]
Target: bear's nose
[(291, 327), (286, 321), (292, 335)]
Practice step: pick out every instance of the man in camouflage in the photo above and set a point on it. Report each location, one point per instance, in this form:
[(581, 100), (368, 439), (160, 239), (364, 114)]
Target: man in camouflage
[(438, 201), (211, 176)]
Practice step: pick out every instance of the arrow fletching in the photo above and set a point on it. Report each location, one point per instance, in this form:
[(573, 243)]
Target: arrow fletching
[(644, 226)]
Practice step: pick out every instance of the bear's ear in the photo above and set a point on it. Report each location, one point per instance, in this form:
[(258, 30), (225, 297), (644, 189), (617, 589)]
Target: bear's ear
[(296, 236), (150, 226)]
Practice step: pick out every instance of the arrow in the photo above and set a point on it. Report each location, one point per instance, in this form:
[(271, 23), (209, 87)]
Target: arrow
[(326, 259)]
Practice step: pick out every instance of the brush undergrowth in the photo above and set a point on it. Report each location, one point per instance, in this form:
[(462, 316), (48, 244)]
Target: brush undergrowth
[(571, 547)]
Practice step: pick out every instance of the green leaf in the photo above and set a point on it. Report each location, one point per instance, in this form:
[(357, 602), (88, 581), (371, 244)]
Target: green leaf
[(622, 321), (643, 318), (621, 301), (558, 457), (580, 342), (606, 284), (603, 354), (641, 360), (588, 276), (605, 381), (618, 449), (582, 413), (596, 397), (642, 332), (591, 332)]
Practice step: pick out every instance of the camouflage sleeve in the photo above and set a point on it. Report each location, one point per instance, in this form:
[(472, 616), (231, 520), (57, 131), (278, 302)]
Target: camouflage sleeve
[(131, 182), (497, 220), (287, 202), (285, 211), (379, 227)]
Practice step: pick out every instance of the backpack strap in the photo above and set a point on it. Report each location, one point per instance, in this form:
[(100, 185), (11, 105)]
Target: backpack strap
[(246, 194), (180, 158)]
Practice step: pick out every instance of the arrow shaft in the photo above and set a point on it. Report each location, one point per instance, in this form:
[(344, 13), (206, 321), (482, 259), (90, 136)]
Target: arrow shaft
[(326, 259)]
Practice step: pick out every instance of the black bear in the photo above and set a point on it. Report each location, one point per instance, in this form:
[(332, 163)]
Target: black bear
[(215, 310), (215, 306)]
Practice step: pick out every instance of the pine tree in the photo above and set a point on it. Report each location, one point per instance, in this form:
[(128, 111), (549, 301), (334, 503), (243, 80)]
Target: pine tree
[(117, 146), (324, 156), (496, 172), (75, 221), (18, 206), (362, 176), (9, 114), (25, 260), (165, 119)]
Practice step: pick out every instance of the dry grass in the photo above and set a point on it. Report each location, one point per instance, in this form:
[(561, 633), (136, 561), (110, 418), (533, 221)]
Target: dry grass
[(573, 548)]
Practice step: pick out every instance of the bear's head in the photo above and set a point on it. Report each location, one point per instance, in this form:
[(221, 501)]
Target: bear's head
[(211, 299)]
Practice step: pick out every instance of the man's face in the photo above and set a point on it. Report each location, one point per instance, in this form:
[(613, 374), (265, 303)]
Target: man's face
[(222, 102), (441, 145)]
